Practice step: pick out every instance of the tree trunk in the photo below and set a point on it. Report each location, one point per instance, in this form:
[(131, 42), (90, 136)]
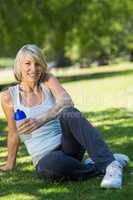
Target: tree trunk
[(131, 55), (102, 60), (62, 60)]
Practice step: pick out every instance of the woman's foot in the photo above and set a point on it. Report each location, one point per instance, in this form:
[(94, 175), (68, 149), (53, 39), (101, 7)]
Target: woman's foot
[(122, 159), (113, 176)]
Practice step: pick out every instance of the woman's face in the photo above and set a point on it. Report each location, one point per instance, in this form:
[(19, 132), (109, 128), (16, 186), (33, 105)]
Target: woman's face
[(31, 70)]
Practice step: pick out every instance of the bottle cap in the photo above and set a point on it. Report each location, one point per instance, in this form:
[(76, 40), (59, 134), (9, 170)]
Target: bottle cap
[(19, 115)]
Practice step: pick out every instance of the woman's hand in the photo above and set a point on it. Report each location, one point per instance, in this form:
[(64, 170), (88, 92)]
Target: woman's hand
[(6, 167), (29, 125)]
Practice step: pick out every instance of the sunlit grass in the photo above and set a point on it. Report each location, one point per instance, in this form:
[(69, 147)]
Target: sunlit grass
[(6, 62), (99, 94)]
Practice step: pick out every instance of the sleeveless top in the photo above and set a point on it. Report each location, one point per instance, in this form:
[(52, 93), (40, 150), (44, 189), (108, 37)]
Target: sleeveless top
[(47, 137)]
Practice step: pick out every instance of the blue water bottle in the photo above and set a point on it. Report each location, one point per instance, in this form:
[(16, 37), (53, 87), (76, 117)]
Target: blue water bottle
[(19, 117)]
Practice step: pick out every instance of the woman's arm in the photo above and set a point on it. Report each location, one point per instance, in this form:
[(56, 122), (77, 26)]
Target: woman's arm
[(62, 98), (13, 139)]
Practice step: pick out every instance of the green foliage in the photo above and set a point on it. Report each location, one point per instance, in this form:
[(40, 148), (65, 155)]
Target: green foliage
[(78, 29)]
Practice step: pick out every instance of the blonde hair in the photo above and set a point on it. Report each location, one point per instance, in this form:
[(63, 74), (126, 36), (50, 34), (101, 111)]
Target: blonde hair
[(35, 52)]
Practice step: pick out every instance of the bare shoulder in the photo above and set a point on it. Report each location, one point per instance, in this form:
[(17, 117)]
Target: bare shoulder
[(6, 101), (50, 79), (52, 82), (7, 106), (54, 85), (6, 97), (57, 89)]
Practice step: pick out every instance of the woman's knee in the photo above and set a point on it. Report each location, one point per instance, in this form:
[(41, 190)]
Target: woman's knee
[(58, 166), (51, 166)]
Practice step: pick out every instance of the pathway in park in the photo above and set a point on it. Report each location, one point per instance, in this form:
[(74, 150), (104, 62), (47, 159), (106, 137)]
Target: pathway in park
[(5, 76), (6, 73)]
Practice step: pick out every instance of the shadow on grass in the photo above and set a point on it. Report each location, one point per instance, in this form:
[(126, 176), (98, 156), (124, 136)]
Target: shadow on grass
[(3, 126), (116, 126), (87, 76), (6, 85), (97, 75)]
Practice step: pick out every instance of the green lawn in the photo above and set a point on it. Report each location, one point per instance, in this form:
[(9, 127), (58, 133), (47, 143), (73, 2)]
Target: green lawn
[(6, 62), (107, 101)]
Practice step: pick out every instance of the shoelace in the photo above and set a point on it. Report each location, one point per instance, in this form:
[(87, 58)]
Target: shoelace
[(114, 170)]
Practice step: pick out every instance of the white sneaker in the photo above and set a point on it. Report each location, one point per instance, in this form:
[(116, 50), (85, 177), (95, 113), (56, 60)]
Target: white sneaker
[(121, 158), (113, 176)]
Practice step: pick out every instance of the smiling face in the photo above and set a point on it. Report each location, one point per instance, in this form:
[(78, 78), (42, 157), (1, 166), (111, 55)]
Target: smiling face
[(31, 69), (30, 64)]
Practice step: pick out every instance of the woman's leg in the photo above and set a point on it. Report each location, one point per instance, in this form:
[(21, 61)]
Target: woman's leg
[(59, 166), (78, 133)]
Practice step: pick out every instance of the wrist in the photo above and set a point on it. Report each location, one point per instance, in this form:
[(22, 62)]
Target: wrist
[(42, 120), (11, 164)]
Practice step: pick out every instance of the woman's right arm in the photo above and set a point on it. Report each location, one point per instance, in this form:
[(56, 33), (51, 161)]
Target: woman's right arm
[(13, 139)]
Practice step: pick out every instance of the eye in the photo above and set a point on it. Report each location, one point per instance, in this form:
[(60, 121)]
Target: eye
[(37, 64), (27, 63)]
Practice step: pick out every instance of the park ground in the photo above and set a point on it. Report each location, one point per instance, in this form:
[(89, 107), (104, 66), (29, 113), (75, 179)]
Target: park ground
[(105, 96)]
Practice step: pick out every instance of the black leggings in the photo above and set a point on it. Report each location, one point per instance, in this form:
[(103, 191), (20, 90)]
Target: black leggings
[(78, 135)]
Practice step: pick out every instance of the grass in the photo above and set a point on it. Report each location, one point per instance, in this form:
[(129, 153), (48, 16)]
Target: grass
[(107, 102), (6, 62)]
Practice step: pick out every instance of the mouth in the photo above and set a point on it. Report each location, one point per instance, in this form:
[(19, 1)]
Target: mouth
[(34, 75)]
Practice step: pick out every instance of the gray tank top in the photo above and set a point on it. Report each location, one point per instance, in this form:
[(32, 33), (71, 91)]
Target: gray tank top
[(47, 137)]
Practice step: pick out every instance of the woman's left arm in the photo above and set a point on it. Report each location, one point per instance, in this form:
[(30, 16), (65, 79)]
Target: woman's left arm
[(62, 98)]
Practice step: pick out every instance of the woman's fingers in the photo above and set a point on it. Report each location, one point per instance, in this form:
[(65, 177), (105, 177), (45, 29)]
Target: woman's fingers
[(24, 123), (28, 127), (5, 168)]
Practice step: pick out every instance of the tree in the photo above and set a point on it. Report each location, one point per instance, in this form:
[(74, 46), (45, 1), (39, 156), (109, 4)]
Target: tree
[(74, 30)]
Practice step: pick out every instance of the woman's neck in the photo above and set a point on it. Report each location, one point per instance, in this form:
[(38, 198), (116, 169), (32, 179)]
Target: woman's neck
[(29, 87)]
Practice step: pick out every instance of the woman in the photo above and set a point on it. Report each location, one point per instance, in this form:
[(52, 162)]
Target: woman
[(59, 133)]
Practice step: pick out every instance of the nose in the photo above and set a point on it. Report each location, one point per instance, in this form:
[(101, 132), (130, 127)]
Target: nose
[(33, 68)]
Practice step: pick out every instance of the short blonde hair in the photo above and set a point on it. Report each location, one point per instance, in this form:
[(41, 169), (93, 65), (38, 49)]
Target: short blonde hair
[(35, 52)]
